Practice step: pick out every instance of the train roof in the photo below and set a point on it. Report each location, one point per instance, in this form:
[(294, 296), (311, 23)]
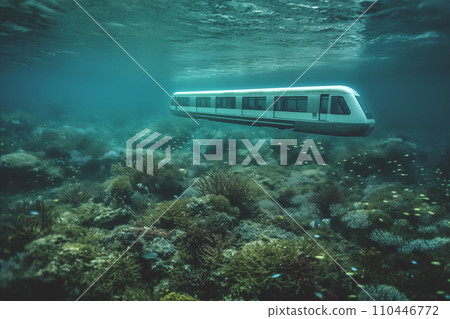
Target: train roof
[(305, 89)]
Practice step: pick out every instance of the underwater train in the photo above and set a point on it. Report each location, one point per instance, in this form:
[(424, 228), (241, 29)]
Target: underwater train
[(330, 110)]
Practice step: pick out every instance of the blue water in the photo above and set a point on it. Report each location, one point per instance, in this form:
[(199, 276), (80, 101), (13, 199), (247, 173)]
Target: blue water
[(395, 56)]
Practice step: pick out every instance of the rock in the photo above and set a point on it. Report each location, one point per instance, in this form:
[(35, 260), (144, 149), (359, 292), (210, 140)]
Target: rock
[(22, 170)]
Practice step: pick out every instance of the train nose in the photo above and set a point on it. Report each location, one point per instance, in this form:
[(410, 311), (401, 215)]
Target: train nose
[(370, 128)]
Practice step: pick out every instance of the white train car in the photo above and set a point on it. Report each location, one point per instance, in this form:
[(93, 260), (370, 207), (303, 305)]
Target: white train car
[(330, 110)]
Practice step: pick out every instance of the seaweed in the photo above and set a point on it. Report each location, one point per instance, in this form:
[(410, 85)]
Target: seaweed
[(327, 195), (27, 221), (79, 193), (226, 183)]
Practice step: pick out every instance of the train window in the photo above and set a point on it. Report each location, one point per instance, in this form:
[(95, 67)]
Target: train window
[(203, 102), (226, 102), (291, 103), (184, 100), (339, 106), (254, 103), (364, 107)]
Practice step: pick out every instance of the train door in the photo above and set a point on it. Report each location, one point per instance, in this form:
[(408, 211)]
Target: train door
[(323, 107)]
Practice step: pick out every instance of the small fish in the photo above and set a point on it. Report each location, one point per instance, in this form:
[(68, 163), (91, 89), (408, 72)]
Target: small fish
[(56, 200), (276, 275), (440, 292), (413, 262), (319, 295), (354, 269), (327, 221), (31, 221), (436, 263), (175, 196), (151, 255), (281, 217), (34, 213), (319, 257), (447, 297), (314, 224), (350, 273)]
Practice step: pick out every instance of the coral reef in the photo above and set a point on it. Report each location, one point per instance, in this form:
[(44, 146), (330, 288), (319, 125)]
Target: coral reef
[(70, 208), (381, 293), (281, 269)]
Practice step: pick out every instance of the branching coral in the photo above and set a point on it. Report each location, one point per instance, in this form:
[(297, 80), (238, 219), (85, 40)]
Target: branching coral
[(198, 282), (382, 292), (357, 219), (337, 210), (385, 238)]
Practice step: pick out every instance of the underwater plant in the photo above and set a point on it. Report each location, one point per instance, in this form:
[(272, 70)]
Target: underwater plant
[(217, 223), (165, 182), (175, 296), (284, 199), (27, 221), (226, 183), (121, 188), (327, 195), (174, 213), (220, 203), (79, 193), (125, 273)]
